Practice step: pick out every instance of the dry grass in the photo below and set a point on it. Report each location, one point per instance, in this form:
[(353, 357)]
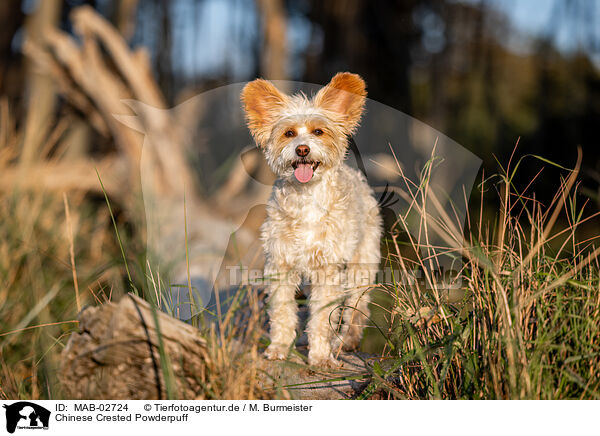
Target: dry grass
[(235, 343), (528, 322), (44, 247)]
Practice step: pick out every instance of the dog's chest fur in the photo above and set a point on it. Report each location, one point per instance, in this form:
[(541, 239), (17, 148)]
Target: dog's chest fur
[(315, 225)]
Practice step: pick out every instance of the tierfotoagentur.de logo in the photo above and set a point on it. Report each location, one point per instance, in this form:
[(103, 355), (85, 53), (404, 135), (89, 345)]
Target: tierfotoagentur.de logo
[(24, 415)]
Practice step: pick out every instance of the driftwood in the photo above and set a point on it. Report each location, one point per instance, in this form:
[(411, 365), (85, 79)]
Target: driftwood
[(113, 87), (116, 355)]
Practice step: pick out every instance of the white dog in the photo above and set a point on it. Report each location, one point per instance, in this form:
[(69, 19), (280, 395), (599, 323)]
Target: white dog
[(323, 222)]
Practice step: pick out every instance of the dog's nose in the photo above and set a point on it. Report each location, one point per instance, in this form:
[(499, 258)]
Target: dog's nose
[(302, 150)]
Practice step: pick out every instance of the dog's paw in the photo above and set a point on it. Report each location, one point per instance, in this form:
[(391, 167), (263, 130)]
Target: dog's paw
[(276, 352), (327, 361)]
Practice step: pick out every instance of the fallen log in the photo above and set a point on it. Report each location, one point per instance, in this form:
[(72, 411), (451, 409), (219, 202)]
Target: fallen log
[(116, 354)]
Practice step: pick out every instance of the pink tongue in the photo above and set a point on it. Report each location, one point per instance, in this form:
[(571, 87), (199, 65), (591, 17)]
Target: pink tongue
[(303, 173)]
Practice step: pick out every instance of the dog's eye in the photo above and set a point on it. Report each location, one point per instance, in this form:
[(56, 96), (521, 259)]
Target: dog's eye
[(289, 134), (317, 132)]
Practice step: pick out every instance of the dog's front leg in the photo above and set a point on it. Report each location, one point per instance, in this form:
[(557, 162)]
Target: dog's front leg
[(283, 310), (324, 300)]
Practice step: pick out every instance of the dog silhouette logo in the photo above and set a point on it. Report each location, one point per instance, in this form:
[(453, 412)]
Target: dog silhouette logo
[(26, 415)]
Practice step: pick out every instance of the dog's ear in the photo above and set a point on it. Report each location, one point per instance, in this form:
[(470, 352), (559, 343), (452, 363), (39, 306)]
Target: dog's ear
[(262, 103), (345, 96)]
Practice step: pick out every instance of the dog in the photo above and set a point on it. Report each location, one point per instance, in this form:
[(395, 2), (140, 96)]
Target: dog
[(323, 222)]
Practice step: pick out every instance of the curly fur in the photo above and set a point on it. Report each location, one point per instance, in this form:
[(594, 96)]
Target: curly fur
[(326, 229)]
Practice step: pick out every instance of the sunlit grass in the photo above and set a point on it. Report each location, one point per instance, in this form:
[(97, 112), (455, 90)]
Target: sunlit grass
[(528, 322)]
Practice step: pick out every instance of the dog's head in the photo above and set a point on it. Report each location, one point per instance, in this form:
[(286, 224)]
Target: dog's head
[(303, 138)]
